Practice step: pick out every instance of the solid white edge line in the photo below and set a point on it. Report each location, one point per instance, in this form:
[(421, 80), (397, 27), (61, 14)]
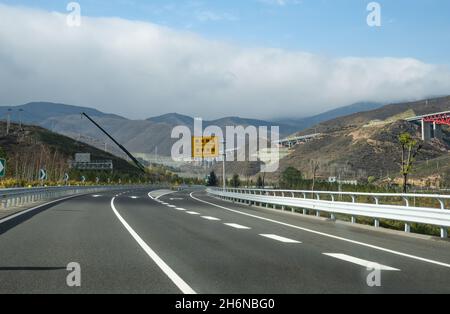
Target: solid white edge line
[(37, 207), (330, 235), (180, 283), (359, 261), (278, 238)]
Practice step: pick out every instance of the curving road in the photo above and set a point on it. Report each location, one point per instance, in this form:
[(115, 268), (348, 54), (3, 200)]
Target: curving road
[(143, 241)]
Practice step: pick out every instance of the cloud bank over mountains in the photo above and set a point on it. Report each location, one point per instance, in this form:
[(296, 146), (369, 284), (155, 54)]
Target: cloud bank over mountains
[(138, 69)]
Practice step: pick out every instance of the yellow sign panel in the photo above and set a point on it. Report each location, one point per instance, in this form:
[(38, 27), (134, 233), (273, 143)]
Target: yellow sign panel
[(205, 146)]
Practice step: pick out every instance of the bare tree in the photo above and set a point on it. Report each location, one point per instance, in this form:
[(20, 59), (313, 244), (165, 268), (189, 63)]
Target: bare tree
[(410, 149)]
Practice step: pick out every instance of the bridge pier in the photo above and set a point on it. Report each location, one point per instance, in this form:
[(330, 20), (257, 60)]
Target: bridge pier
[(437, 130), (431, 130), (426, 131)]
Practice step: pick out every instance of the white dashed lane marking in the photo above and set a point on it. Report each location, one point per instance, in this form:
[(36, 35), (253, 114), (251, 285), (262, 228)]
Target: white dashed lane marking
[(211, 218), (278, 238), (360, 262), (236, 226), (193, 213)]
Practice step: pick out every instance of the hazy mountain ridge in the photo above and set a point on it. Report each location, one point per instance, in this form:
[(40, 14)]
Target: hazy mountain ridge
[(153, 134), (145, 136), (36, 112)]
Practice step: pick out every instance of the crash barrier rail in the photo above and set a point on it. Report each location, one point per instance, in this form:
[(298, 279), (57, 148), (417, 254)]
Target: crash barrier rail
[(16, 197), (349, 203)]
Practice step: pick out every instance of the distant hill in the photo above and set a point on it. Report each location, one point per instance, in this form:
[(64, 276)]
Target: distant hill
[(305, 123), (140, 136), (172, 119), (143, 136), (37, 112), (357, 119), (32, 148), (366, 144)]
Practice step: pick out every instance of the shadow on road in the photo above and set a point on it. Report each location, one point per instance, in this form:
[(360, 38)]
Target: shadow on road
[(8, 225), (31, 268)]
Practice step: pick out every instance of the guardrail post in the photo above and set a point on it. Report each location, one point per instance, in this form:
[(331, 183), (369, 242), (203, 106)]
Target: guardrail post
[(274, 205), (406, 201), (377, 223), (333, 217), (353, 219), (444, 232), (407, 227)]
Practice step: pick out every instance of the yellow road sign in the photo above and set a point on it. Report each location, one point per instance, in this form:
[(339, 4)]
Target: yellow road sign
[(205, 146)]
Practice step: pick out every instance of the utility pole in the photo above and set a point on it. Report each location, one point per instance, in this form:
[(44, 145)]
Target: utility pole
[(224, 154), (8, 121), (20, 119)]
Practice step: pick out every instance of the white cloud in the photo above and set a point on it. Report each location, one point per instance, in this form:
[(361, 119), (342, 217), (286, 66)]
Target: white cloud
[(139, 70)]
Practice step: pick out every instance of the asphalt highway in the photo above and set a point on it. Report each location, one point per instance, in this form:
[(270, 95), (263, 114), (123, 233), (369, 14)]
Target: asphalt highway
[(143, 241)]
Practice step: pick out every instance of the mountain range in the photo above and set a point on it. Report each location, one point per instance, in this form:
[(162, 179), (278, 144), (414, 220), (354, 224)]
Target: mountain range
[(147, 136), (357, 141)]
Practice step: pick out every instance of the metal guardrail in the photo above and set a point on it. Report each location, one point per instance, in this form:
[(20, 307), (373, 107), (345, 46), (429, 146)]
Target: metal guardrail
[(321, 201), (23, 196)]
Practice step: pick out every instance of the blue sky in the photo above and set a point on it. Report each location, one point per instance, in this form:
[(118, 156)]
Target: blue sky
[(216, 58), (337, 28)]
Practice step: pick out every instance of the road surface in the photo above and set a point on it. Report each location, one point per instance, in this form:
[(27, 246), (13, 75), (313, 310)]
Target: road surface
[(142, 241)]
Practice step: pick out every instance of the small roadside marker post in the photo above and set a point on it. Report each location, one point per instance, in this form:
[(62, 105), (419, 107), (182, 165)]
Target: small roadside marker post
[(66, 178), (2, 168), (42, 175)]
